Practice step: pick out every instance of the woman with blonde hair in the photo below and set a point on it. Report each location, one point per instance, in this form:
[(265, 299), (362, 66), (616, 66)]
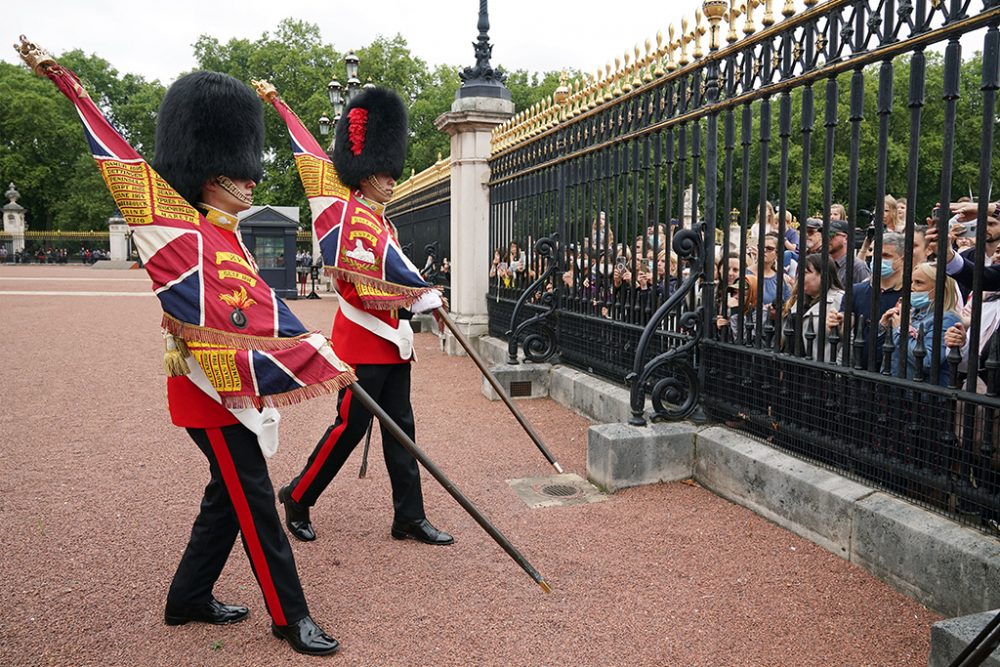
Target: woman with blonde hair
[(922, 299), (771, 225)]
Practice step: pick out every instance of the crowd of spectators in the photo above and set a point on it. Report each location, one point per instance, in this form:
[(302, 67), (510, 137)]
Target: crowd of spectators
[(837, 293), (51, 255), (893, 296)]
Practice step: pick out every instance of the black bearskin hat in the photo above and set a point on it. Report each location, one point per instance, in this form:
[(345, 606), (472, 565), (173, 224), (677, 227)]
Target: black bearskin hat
[(371, 137), (209, 125)]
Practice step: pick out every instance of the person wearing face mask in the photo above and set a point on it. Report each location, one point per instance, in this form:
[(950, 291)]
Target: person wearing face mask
[(890, 269), (922, 297)]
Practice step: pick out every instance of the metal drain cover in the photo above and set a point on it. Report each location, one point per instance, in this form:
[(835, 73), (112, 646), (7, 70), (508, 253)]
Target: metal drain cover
[(557, 490), (560, 490)]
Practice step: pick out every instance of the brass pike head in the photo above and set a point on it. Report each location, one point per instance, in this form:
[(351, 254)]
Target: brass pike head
[(37, 58)]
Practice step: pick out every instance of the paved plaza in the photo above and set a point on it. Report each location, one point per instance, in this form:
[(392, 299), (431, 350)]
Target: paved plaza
[(98, 491)]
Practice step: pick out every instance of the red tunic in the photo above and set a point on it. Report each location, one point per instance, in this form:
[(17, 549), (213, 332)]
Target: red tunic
[(189, 406), (356, 345), (353, 343)]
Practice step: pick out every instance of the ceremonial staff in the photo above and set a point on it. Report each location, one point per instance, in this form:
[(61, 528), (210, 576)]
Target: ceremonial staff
[(391, 278), (159, 212), (398, 433), (464, 342)]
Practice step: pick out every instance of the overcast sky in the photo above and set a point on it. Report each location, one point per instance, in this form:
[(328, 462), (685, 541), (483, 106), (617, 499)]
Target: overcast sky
[(155, 39)]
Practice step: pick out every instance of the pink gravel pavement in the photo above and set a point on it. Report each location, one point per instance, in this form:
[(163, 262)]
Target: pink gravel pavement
[(98, 491)]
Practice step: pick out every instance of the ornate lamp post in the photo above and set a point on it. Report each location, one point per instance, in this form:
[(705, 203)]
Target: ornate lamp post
[(483, 80), (341, 95)]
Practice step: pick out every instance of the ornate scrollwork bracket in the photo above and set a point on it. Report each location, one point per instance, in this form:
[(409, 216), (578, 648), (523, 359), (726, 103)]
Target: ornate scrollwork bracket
[(675, 395), (541, 342)]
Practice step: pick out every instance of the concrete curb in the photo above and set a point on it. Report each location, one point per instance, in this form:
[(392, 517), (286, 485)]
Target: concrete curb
[(810, 501), (951, 636)]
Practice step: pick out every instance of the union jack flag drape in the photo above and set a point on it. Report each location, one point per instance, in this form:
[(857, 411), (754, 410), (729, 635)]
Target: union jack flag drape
[(252, 348), (354, 235)]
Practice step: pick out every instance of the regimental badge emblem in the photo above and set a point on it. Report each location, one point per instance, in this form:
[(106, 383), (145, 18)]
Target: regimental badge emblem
[(240, 301)]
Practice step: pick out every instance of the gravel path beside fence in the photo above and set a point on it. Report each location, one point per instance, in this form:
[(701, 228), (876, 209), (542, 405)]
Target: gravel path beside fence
[(98, 491)]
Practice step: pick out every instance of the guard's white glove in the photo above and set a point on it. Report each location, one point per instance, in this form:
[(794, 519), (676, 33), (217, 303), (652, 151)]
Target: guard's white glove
[(428, 301)]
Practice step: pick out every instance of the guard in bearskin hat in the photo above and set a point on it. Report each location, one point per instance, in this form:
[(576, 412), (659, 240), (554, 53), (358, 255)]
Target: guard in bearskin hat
[(368, 154), (209, 139)]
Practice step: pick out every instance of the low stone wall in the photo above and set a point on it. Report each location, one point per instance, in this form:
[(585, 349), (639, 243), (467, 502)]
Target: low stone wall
[(951, 569)]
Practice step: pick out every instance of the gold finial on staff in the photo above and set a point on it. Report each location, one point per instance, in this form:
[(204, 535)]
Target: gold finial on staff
[(789, 9), (714, 11), (34, 56), (685, 38), (810, 3), (265, 89)]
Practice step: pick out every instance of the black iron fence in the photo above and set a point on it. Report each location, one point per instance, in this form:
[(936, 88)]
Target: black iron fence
[(711, 213), (422, 216)]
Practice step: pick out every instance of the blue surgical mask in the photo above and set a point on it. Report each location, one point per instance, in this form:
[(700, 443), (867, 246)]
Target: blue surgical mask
[(886, 267), (920, 299)]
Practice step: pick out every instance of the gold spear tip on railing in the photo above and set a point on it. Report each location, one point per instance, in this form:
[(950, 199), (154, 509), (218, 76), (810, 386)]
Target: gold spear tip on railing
[(265, 89), (34, 56)]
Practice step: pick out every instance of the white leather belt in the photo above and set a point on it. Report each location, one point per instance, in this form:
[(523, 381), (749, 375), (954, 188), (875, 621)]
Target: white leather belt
[(262, 423), (401, 337)]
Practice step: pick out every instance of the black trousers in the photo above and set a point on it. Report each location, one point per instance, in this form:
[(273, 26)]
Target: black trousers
[(389, 386), (239, 498)]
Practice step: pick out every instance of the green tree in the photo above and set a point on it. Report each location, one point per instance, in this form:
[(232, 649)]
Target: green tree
[(43, 149), (297, 62)]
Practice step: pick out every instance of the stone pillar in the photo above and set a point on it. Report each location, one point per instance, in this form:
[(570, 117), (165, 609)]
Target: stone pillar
[(13, 219), (469, 123), (118, 237)]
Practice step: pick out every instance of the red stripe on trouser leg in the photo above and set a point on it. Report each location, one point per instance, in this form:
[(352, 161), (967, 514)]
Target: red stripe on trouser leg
[(324, 453), (245, 518)]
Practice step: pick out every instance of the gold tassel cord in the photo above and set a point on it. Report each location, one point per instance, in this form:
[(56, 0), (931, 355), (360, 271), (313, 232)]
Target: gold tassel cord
[(175, 355)]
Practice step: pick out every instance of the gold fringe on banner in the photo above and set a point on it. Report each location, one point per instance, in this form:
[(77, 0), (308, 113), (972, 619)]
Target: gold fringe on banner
[(200, 334), (399, 296), (331, 386)]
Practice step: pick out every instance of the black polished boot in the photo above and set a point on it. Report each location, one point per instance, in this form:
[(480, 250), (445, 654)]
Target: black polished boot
[(213, 612), (306, 637), (296, 516), (421, 531)]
